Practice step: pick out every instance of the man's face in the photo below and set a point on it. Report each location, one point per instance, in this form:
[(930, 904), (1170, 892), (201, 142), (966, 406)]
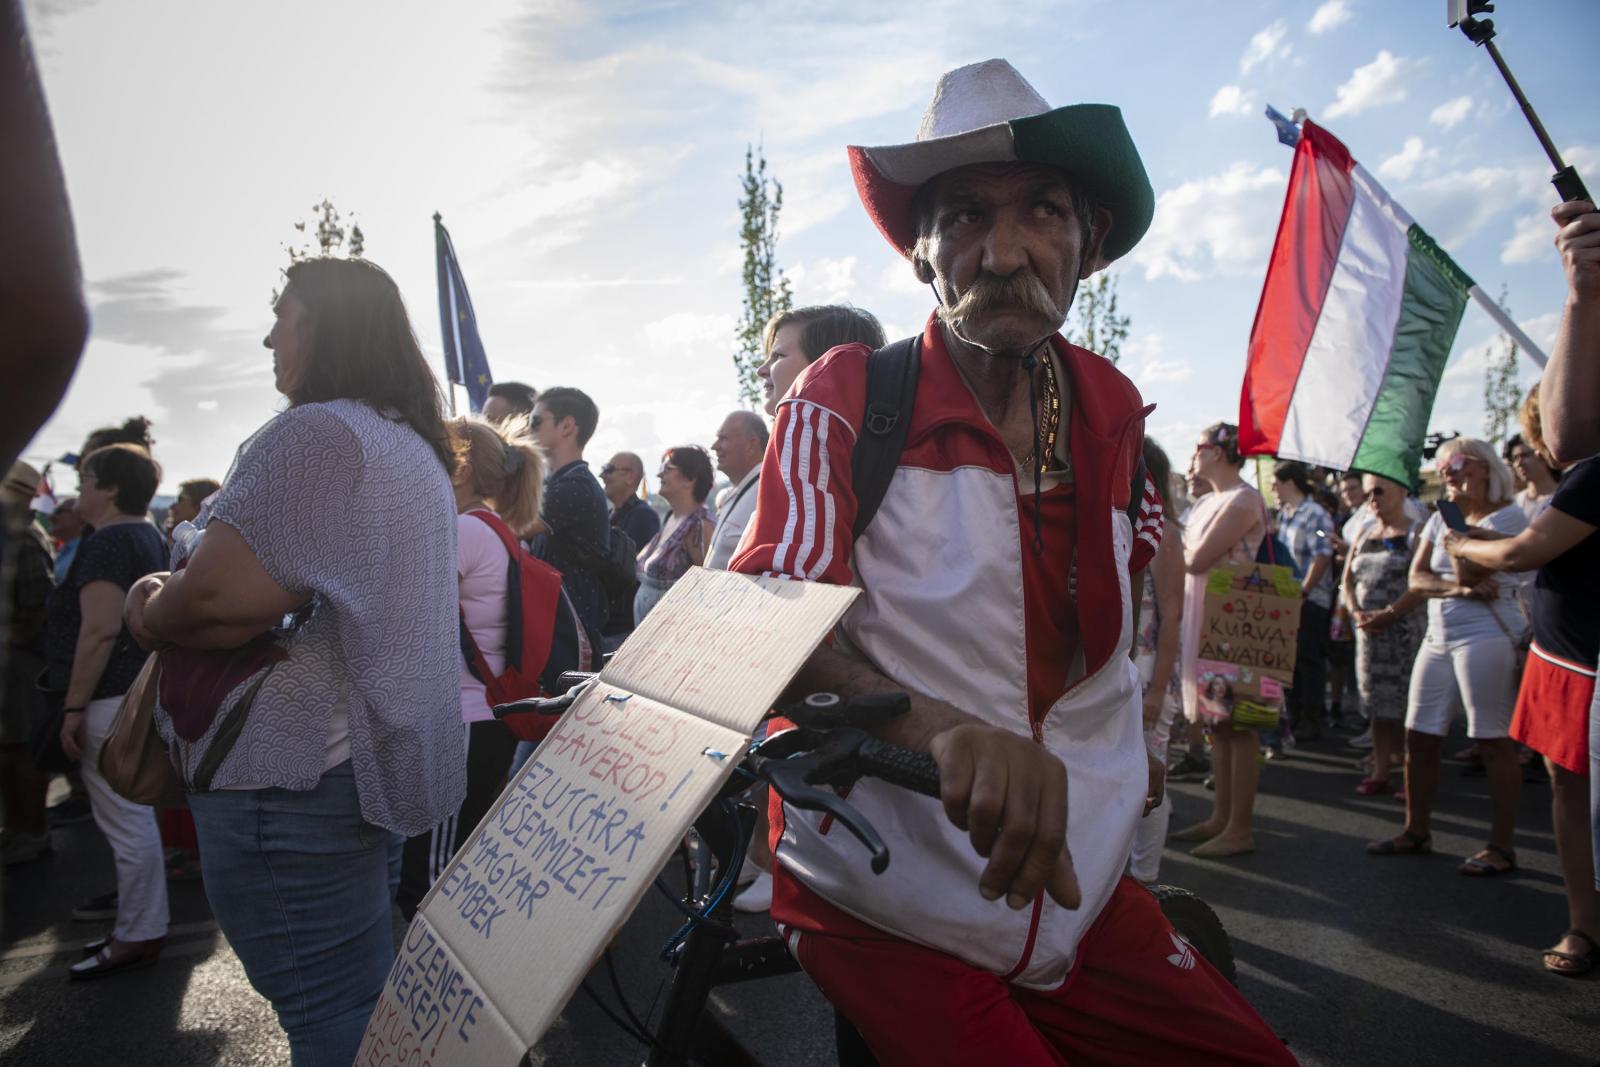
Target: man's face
[(1006, 250), (620, 476), (183, 509), (545, 427), (497, 409), (1351, 492), (65, 522), (734, 447)]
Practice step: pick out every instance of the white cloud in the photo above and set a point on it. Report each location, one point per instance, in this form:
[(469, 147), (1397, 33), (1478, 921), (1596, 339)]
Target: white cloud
[(824, 281), (1265, 45), (1531, 241), (1451, 113), (1379, 82), (1232, 100), (1159, 371), (1330, 15), (898, 277), (1403, 163), (1222, 224)]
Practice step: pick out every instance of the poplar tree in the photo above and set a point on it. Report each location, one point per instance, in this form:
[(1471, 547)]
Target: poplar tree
[(1094, 323), (331, 235), (1502, 396), (766, 289)]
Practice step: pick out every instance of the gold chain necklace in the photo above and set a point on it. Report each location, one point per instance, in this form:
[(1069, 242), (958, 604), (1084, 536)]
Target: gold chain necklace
[(1052, 424)]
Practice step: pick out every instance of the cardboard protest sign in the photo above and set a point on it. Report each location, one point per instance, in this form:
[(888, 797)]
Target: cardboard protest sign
[(524, 909), (1249, 625)]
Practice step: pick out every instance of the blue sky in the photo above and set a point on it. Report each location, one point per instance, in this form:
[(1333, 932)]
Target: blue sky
[(586, 158)]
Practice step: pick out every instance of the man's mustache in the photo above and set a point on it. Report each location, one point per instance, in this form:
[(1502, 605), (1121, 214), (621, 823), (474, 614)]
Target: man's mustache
[(1021, 290)]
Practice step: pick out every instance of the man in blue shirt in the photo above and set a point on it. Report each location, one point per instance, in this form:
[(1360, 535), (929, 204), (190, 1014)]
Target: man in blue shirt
[(573, 533)]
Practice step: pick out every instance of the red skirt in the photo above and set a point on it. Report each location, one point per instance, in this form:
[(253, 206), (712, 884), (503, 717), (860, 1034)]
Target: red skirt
[(1552, 716)]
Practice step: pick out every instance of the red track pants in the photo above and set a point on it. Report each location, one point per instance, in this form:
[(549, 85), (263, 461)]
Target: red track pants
[(1137, 995)]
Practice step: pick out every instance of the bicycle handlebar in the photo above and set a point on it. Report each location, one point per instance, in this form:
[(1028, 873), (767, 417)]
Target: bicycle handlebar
[(827, 748)]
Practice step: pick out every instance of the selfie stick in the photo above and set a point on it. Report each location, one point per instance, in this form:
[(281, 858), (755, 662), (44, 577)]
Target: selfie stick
[(1481, 32)]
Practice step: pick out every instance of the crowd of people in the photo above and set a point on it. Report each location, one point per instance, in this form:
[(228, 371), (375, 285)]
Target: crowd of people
[(333, 623)]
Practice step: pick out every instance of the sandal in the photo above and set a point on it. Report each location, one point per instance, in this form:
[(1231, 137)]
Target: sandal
[(1370, 786), (1479, 865), (1576, 964), (1416, 844)]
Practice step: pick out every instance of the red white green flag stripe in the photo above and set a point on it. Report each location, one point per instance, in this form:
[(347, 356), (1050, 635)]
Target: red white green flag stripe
[(1356, 320)]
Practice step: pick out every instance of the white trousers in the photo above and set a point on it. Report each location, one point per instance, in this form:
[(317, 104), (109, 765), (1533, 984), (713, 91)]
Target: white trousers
[(133, 834), (1150, 837)]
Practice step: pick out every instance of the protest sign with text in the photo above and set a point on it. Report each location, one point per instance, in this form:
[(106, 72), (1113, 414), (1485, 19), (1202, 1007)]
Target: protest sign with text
[(523, 910), (1248, 629)]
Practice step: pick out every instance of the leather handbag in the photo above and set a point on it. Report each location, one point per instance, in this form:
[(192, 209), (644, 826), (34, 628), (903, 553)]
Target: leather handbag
[(134, 760)]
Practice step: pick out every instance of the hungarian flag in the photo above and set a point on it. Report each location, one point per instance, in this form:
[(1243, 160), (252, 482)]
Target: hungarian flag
[(1356, 319)]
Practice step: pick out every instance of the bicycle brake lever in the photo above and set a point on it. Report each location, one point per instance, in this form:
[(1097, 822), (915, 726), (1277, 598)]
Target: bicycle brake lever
[(801, 781)]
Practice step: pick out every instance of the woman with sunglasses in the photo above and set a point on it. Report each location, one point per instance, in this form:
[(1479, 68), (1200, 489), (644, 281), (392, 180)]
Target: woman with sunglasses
[(684, 482), (1468, 659), (1377, 593), (1225, 526)]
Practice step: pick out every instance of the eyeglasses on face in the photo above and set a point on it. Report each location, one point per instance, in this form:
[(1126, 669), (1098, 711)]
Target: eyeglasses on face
[(534, 421), (1455, 463), (1377, 491)]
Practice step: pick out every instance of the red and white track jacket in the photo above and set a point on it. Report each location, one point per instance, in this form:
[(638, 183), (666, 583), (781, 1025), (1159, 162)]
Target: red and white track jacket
[(942, 614)]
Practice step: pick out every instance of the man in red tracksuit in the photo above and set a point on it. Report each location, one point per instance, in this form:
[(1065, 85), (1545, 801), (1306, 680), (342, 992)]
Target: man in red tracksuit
[(996, 591)]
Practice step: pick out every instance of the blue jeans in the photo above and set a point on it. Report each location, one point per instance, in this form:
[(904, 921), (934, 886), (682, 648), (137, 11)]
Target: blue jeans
[(301, 887)]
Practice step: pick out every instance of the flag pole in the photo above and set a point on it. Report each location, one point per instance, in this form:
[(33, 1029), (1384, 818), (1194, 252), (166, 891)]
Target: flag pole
[(1505, 322)]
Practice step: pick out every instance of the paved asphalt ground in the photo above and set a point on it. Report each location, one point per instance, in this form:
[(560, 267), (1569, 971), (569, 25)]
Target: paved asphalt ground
[(1352, 959)]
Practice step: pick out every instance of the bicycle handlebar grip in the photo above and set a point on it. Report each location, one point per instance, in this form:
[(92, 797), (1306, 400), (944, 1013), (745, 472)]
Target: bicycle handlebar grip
[(904, 767), (569, 679)]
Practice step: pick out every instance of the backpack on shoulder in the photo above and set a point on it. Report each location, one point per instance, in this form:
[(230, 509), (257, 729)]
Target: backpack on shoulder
[(892, 373), (543, 636), (619, 579)]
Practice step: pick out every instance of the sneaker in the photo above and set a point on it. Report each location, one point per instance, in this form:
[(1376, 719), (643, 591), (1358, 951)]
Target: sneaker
[(1191, 766), (756, 897), (22, 847), (1362, 741), (94, 909), (72, 810)]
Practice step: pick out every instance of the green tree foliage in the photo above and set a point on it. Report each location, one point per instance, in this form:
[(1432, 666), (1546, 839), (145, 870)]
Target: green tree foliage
[(1094, 322), (1502, 396), (766, 289)]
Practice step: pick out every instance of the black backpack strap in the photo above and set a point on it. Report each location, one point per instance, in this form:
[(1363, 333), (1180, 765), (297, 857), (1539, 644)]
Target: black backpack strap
[(891, 393), (1136, 498)]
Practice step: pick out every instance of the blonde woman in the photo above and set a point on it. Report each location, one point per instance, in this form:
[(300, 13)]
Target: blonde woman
[(498, 478), (1468, 658)]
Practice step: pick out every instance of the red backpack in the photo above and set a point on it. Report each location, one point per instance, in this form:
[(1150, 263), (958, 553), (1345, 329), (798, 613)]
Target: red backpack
[(543, 635)]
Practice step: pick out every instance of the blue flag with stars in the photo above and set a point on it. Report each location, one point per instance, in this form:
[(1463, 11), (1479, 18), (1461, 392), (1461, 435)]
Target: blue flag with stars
[(1288, 132), (465, 363)]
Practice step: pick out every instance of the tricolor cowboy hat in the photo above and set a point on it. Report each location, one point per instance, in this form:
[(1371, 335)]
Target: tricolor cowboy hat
[(988, 113)]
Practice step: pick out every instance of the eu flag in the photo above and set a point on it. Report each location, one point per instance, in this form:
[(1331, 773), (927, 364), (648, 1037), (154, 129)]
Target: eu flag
[(464, 360), (1288, 132)]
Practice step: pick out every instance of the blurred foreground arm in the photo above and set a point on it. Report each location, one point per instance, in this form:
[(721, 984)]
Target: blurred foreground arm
[(1569, 393), (42, 318)]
